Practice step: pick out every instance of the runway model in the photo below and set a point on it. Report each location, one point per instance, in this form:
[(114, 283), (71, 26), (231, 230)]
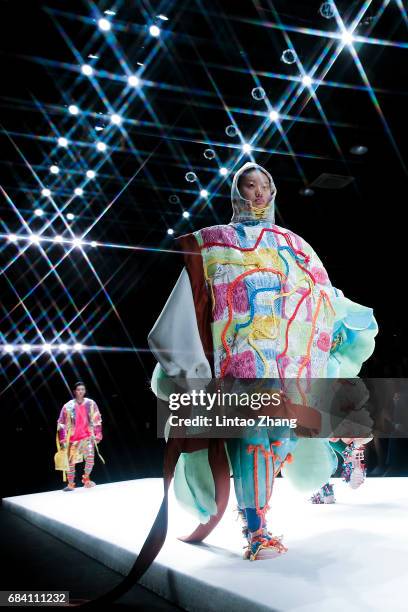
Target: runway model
[(253, 300), (79, 429)]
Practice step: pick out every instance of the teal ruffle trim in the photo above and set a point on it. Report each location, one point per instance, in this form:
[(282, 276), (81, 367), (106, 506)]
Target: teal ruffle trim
[(194, 486), (353, 337), (314, 461)]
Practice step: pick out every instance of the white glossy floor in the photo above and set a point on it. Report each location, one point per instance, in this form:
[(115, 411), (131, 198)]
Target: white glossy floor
[(350, 556)]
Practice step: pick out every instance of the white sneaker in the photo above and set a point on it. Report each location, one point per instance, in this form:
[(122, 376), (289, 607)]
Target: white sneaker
[(358, 473)]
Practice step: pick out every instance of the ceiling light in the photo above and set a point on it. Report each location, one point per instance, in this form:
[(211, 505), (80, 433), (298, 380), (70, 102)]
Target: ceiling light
[(104, 25), (87, 70), (133, 80), (154, 31)]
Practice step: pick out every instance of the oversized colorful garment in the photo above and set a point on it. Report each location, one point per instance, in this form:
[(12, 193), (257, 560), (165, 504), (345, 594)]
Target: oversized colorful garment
[(79, 427), (253, 300)]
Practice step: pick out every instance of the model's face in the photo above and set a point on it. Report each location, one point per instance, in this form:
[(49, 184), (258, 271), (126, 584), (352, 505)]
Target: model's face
[(255, 186), (80, 392)]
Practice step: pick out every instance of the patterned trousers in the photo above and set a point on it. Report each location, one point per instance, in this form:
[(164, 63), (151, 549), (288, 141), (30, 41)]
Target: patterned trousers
[(78, 452)]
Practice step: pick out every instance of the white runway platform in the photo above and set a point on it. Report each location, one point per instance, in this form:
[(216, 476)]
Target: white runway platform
[(347, 557)]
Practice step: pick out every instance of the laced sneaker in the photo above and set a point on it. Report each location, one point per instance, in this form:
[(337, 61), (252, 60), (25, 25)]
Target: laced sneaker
[(325, 495), (354, 469), (263, 545)]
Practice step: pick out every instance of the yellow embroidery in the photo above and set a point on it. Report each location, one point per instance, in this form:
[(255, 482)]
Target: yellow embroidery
[(263, 258), (264, 326), (261, 355), (260, 213)]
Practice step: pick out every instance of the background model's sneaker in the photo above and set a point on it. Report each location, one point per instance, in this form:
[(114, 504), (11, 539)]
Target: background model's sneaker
[(86, 482), (325, 495), (354, 470), (69, 487)]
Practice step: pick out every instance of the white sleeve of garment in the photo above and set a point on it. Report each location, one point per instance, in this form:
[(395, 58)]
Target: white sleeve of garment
[(174, 339)]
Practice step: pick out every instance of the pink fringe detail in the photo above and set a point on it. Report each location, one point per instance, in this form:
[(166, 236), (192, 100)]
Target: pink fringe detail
[(239, 299), (221, 233), (242, 365)]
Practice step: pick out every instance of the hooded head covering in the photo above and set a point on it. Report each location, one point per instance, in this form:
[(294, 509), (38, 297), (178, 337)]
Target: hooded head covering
[(242, 209)]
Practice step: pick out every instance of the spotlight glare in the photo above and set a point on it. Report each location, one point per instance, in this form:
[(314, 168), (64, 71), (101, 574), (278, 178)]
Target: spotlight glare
[(78, 191), (90, 174), (116, 119), (74, 110), (163, 17), (94, 244), (78, 346), (62, 142), (154, 31), (133, 80), (186, 214), (306, 192), (47, 347), (70, 216), (104, 25), (203, 193), (46, 192), (86, 69), (58, 239), (347, 37), (54, 169), (26, 348), (359, 150), (38, 212), (63, 347), (274, 115), (246, 147), (170, 231), (9, 348), (12, 238), (34, 239), (307, 80), (101, 146), (77, 242), (223, 171)]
